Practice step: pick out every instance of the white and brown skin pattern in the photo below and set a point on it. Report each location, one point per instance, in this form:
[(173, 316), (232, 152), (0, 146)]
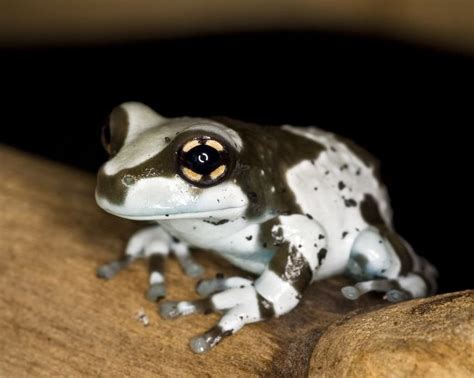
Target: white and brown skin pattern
[(290, 205)]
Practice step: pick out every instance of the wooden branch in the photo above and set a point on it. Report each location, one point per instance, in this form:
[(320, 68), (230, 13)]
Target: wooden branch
[(428, 337), (437, 22)]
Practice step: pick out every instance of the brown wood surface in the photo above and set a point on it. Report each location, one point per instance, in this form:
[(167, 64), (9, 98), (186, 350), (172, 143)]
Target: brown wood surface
[(426, 337), (445, 23), (57, 318)]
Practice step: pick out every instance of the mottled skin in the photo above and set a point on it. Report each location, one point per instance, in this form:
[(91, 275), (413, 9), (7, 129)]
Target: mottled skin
[(291, 205)]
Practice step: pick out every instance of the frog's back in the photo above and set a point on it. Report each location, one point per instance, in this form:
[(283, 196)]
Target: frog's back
[(335, 188)]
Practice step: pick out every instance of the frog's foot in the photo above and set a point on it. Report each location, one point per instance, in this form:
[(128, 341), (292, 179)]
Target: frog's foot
[(240, 306), (214, 285), (189, 266), (394, 292), (109, 270), (152, 243)]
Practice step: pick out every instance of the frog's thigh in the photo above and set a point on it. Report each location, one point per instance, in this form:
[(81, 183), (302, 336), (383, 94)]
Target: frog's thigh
[(372, 256)]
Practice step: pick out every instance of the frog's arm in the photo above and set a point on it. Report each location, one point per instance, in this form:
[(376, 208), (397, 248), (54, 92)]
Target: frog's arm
[(301, 247), (153, 243)]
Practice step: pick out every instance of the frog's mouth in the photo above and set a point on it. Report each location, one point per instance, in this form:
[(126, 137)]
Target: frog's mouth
[(231, 213), (169, 214)]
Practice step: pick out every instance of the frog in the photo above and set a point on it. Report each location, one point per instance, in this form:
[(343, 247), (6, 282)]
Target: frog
[(287, 205)]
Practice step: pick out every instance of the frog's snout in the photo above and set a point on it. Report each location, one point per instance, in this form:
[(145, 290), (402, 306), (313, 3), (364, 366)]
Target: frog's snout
[(113, 188)]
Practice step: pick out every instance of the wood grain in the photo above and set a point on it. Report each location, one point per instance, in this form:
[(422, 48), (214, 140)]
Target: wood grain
[(426, 337), (448, 24), (57, 318)]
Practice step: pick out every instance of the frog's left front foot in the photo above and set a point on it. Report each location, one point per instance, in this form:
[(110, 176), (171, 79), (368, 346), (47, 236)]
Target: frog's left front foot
[(239, 301)]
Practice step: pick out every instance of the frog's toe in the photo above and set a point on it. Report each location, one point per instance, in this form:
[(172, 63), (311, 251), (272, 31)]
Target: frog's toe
[(200, 345), (108, 271), (194, 270), (169, 310), (350, 292), (205, 342), (397, 295), (156, 291), (175, 309), (206, 287)]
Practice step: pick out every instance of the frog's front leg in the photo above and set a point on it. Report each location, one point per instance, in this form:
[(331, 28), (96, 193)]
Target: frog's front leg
[(297, 241), (182, 253), (152, 243)]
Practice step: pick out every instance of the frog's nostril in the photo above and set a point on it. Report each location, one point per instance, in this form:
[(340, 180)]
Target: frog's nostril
[(128, 180)]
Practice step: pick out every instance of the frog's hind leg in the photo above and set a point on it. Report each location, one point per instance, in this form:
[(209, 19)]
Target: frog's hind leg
[(385, 263)]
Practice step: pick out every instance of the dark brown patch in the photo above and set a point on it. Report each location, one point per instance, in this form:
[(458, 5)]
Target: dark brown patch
[(291, 266), (265, 308), (119, 124), (216, 223), (322, 255), (277, 150), (204, 306), (370, 211), (156, 263), (349, 202)]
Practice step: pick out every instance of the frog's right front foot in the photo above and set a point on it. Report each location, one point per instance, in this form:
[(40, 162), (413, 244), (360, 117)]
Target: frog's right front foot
[(108, 271), (152, 243)]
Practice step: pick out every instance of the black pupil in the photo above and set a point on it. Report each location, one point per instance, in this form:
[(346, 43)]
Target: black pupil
[(202, 159)]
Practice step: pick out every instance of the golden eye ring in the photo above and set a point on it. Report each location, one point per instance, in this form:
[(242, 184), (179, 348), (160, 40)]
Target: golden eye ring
[(204, 161)]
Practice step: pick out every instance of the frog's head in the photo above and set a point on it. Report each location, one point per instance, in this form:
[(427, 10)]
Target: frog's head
[(165, 168)]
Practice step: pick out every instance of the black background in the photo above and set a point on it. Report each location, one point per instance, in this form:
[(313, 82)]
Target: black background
[(409, 105)]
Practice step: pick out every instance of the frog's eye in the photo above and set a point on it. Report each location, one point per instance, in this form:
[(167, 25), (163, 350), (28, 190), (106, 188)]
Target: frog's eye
[(203, 162), (106, 137)]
